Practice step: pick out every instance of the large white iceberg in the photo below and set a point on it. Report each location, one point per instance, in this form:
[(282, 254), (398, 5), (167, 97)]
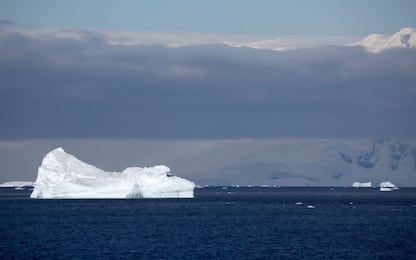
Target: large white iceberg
[(62, 176)]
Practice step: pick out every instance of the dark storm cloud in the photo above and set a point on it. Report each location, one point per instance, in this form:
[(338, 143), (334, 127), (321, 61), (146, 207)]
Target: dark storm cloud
[(52, 88)]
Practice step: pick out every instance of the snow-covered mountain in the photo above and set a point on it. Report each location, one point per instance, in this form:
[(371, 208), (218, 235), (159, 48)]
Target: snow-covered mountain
[(405, 38), (391, 159), (316, 162), (390, 154), (181, 39), (278, 161)]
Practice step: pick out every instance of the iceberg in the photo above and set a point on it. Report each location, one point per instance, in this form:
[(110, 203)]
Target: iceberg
[(387, 186), (361, 184), (63, 176)]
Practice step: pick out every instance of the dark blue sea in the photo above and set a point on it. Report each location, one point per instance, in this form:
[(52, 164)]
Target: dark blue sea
[(220, 223)]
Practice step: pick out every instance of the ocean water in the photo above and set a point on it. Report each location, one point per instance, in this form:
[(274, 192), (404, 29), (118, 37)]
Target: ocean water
[(220, 223)]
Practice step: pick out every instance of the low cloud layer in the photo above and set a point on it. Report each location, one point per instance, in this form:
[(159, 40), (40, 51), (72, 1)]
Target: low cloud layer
[(84, 87)]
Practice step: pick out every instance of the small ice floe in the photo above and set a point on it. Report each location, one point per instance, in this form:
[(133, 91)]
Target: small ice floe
[(387, 186), (299, 203), (357, 184), (310, 207), (19, 188)]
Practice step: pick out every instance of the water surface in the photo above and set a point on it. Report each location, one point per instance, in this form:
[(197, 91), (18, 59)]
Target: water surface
[(225, 223)]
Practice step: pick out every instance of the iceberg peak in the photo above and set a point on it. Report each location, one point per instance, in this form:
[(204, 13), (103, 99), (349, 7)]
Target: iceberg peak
[(62, 175), (59, 149)]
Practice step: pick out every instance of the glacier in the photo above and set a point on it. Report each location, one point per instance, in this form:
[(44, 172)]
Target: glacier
[(63, 176)]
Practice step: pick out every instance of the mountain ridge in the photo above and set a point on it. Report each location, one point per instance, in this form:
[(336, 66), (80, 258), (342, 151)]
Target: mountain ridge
[(375, 43)]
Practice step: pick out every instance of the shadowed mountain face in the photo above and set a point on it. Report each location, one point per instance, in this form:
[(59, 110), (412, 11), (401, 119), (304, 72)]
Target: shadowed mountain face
[(395, 153), (331, 162)]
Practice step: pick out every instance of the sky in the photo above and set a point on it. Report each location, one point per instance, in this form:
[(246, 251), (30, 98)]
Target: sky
[(134, 76), (302, 17)]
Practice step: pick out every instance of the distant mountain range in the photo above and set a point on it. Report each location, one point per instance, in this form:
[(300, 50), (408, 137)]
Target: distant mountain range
[(392, 159), (382, 159), (391, 154), (297, 162), (404, 38), (325, 162)]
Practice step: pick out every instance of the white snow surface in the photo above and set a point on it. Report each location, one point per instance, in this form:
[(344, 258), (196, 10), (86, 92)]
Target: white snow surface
[(62, 175), (16, 184), (387, 184)]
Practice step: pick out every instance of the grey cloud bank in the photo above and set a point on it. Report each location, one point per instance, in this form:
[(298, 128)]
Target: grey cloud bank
[(86, 88)]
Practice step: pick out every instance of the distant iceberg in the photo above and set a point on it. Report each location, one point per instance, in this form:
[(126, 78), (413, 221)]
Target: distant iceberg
[(361, 184), (387, 186), (62, 176)]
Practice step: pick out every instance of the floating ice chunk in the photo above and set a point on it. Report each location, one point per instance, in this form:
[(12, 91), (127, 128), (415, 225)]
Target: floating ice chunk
[(362, 184), (387, 186), (310, 207), (61, 175)]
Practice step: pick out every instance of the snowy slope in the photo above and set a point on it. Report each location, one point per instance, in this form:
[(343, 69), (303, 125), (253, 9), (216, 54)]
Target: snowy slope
[(405, 38), (61, 175), (313, 162)]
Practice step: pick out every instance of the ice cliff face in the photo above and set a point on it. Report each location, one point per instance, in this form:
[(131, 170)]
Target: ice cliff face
[(61, 175)]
